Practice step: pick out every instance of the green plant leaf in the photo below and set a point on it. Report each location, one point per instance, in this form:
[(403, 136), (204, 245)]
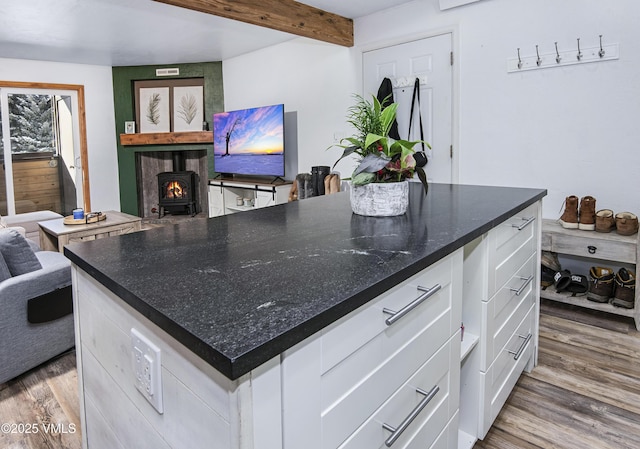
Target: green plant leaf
[(375, 138), (362, 179), (372, 163), (347, 151), (387, 117)]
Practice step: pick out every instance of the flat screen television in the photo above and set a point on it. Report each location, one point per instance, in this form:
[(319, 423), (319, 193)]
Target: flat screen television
[(249, 141)]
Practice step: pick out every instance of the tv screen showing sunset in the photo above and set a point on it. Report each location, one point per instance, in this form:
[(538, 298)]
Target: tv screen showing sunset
[(249, 141)]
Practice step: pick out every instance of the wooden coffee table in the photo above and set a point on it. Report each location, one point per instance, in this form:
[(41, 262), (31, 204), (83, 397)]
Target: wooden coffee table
[(54, 234)]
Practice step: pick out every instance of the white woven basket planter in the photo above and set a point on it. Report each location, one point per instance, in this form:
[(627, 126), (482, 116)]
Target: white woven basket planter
[(384, 199)]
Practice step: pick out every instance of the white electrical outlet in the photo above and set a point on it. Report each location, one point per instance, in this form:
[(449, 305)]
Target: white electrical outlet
[(147, 368)]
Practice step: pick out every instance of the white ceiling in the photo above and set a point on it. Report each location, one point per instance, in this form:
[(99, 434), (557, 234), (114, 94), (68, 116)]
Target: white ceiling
[(139, 32)]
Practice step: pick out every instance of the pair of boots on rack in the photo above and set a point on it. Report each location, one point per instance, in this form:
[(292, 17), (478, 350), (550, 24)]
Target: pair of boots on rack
[(583, 218), (617, 288)]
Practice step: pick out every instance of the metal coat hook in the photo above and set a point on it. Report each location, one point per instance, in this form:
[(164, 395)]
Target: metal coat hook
[(601, 52), (538, 60), (558, 57), (579, 55), (519, 60)]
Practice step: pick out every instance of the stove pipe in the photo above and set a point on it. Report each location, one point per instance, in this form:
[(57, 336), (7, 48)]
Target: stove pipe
[(178, 161)]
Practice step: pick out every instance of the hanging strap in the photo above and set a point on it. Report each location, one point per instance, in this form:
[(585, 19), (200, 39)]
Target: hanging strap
[(416, 95)]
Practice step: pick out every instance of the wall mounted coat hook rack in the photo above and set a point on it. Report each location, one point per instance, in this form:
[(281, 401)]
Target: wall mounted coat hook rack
[(579, 55), (598, 53)]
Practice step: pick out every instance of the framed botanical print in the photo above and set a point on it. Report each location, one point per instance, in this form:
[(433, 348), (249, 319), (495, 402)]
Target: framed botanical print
[(169, 105)]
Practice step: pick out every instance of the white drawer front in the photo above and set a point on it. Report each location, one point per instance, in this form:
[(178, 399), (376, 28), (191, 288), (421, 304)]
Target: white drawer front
[(438, 372), (349, 334), (359, 384), (511, 244), (503, 313), (496, 384)]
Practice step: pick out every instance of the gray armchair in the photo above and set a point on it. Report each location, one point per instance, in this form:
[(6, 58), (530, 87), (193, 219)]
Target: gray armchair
[(29, 221), (36, 322)]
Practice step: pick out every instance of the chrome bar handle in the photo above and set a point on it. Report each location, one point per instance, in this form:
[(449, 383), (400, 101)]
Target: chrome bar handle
[(397, 431), (527, 281), (395, 316), (518, 353), (527, 222)]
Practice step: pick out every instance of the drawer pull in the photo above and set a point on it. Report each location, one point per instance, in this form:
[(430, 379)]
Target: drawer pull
[(592, 249), (397, 431), (395, 316), (527, 222), (527, 281), (518, 353)]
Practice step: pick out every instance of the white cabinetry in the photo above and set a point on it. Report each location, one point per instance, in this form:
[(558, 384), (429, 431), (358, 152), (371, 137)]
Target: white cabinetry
[(394, 361), (359, 382), (224, 195), (599, 248), (388, 374), (500, 305)]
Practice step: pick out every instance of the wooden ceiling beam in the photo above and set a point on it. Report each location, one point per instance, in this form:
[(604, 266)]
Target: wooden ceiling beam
[(283, 15)]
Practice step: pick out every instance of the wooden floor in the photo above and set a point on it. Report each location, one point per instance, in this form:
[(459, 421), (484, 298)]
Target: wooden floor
[(584, 393), (40, 409)]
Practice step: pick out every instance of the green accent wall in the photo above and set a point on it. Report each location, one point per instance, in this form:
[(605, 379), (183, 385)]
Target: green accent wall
[(124, 103)]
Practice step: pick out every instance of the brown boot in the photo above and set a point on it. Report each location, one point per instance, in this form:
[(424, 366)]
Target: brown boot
[(626, 223), (625, 289), (327, 184), (335, 183), (569, 218), (587, 214), (605, 221)]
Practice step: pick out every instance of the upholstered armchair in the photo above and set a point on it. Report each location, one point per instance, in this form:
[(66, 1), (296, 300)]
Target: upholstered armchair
[(29, 222), (36, 322)]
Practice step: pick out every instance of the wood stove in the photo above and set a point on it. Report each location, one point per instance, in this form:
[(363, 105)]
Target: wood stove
[(178, 189)]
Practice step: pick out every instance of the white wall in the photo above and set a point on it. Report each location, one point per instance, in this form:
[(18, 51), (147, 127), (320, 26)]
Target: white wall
[(571, 130), (101, 138), (315, 79)]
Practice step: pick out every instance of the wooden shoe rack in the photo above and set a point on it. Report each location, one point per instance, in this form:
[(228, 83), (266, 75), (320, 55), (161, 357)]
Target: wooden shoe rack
[(610, 247)]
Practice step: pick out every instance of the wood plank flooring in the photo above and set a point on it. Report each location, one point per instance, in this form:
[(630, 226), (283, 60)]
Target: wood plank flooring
[(40, 409), (584, 393)]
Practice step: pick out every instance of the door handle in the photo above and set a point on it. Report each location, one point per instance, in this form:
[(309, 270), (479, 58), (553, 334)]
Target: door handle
[(518, 353), (527, 281), (527, 222), (395, 316), (397, 431)]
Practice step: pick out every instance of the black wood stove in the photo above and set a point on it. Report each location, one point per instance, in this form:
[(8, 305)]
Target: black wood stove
[(177, 190)]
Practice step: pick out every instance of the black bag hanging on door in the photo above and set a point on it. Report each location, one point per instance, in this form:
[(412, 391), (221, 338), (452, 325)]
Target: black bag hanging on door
[(385, 92), (419, 156)]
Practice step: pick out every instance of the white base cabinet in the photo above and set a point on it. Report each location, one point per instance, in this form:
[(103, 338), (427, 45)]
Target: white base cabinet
[(227, 197), (362, 377), (392, 373), (500, 305)]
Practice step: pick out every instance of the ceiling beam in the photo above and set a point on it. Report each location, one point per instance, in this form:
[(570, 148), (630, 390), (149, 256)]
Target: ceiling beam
[(283, 15)]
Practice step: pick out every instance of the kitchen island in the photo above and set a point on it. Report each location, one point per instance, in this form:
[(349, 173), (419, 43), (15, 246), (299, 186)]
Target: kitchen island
[(209, 334)]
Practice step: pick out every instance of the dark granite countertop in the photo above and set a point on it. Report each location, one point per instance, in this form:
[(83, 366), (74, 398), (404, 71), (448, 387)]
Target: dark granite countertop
[(240, 289)]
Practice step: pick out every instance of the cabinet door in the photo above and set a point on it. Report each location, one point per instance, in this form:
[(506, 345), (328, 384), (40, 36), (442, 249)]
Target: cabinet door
[(334, 382), (216, 201), (264, 199)]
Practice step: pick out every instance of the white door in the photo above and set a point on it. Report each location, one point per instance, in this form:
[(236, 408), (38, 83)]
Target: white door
[(429, 60)]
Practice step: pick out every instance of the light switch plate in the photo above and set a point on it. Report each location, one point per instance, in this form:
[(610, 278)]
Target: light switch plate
[(147, 368)]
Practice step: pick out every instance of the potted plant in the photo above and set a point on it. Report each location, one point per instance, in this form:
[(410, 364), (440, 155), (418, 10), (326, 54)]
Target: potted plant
[(379, 184)]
